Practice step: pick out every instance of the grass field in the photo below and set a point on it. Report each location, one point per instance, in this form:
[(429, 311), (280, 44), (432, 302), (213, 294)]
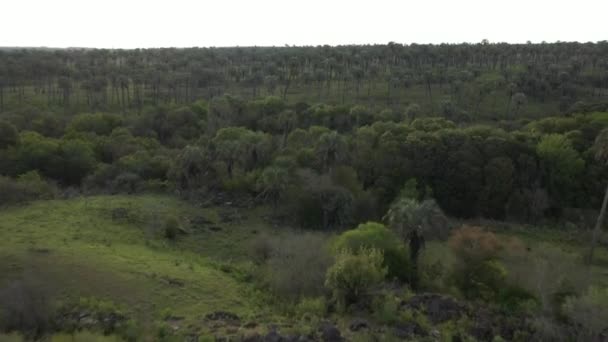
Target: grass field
[(112, 248), (77, 248)]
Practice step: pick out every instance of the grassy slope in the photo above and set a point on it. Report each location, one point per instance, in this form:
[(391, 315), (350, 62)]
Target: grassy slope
[(78, 249)]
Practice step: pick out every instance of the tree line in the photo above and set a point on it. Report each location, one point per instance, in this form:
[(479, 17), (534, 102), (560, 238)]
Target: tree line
[(494, 80), (325, 166)]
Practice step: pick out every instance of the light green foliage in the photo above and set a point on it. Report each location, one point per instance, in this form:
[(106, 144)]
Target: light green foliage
[(563, 162), (311, 307), (385, 308), (352, 277), (377, 236), (93, 255)]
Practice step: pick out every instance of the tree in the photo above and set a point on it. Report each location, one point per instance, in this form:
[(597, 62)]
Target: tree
[(8, 134), (518, 100), (601, 146), (273, 183), (414, 220), (330, 149), (562, 162), (190, 168), (406, 215), (78, 159)]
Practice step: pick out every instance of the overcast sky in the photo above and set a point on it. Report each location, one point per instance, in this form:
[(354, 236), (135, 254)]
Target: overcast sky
[(185, 23)]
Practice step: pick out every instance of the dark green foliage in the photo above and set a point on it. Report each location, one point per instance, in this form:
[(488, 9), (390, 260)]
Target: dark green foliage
[(171, 227), (26, 308), (100, 123), (27, 187), (8, 134), (320, 204)]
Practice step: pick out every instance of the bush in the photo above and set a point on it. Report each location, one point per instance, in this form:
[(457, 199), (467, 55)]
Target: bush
[(25, 308), (353, 275), (473, 243), (27, 187), (293, 267), (171, 227), (377, 236), (478, 274), (547, 272), (589, 312), (311, 307)]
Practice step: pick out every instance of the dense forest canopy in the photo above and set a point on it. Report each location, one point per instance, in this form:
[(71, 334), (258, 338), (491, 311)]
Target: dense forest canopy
[(252, 120), (348, 160), (466, 76), (492, 130)]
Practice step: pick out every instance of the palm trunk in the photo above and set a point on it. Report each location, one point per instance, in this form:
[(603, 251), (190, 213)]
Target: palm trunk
[(598, 226)]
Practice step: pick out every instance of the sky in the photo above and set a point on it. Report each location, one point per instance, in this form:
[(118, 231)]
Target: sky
[(187, 23)]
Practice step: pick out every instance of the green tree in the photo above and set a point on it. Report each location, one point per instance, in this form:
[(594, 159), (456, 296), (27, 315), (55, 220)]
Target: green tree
[(377, 236), (562, 162), (273, 183), (8, 134), (353, 275), (78, 160), (330, 149)]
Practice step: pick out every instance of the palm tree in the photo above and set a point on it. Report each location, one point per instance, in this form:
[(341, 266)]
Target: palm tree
[(272, 183), (601, 146), (330, 149)]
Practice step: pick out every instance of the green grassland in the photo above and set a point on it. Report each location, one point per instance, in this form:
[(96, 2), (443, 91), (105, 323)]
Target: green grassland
[(77, 248), (81, 248)]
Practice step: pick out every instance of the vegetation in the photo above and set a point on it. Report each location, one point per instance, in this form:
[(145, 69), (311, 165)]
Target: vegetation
[(450, 192)]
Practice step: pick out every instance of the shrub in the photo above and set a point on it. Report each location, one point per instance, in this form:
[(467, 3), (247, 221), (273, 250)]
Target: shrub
[(25, 308), (549, 273), (353, 275), (435, 266), (589, 312), (293, 267), (27, 187), (127, 182), (473, 243), (171, 227), (311, 307), (261, 248), (478, 274), (377, 236)]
